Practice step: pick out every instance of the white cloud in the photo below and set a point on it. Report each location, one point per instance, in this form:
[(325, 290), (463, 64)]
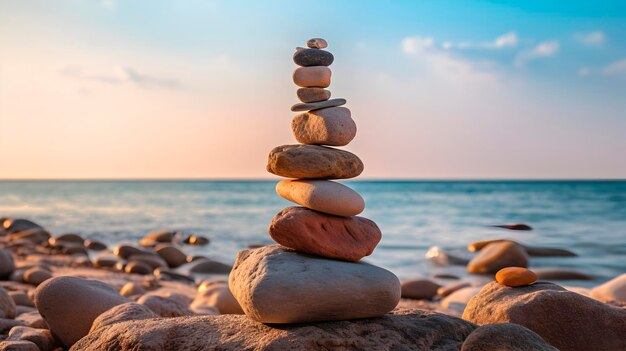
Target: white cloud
[(542, 50), (120, 74), (506, 40), (411, 45), (617, 68), (442, 63), (592, 38)]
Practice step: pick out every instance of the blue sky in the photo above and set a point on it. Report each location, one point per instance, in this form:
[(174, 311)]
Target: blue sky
[(439, 89)]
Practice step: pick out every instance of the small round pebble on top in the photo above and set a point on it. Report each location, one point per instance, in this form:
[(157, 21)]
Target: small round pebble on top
[(516, 276), (317, 43)]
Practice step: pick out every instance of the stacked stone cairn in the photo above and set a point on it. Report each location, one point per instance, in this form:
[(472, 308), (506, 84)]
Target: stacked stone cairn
[(315, 274)]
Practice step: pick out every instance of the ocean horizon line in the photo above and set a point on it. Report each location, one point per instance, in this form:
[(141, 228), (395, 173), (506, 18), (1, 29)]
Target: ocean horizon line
[(360, 180)]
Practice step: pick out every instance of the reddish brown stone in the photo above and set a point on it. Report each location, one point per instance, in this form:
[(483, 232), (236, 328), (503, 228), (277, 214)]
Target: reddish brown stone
[(308, 231)]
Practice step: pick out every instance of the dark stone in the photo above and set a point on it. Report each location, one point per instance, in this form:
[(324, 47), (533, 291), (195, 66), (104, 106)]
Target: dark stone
[(312, 57)]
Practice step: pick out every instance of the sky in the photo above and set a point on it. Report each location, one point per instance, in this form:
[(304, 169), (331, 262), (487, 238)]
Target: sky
[(202, 89)]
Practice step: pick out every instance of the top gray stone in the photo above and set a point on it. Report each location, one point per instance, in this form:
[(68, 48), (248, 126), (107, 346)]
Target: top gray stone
[(317, 43)]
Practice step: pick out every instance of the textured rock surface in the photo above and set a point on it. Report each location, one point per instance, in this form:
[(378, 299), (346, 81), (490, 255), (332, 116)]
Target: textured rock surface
[(314, 76), (125, 312), (498, 255), (277, 285), (410, 330), (69, 305), (566, 320), (22, 345), (332, 126), (312, 57), (310, 106), (505, 337), (313, 94), (308, 231), (166, 304), (313, 162), (322, 195)]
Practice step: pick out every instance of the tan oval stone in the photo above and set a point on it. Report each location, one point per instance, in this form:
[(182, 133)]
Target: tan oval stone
[(498, 255), (322, 195), (312, 77), (308, 231), (328, 126), (277, 285), (314, 162), (313, 94)]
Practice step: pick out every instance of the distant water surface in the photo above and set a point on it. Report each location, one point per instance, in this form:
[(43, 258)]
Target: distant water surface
[(587, 217)]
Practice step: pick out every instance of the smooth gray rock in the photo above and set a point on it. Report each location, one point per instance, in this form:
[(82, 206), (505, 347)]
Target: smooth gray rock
[(277, 285), (310, 106)]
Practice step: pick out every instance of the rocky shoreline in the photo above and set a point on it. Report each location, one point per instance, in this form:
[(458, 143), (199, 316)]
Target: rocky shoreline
[(64, 292)]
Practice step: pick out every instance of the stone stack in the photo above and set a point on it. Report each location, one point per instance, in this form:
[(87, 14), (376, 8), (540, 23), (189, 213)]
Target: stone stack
[(316, 274)]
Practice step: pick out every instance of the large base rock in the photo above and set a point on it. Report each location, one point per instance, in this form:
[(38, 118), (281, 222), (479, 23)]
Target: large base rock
[(565, 319), (399, 330), (274, 284)]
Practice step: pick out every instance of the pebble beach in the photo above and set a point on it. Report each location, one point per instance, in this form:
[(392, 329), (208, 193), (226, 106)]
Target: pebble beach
[(326, 274)]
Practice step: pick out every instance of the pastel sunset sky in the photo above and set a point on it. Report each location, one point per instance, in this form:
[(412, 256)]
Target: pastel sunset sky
[(202, 89)]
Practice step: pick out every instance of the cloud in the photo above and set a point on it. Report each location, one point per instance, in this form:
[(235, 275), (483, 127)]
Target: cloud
[(542, 50), (592, 38), (506, 40), (617, 68), (121, 74), (412, 45), (131, 75), (442, 63)]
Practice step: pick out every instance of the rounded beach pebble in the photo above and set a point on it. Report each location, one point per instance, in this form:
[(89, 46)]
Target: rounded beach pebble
[(317, 43), (312, 57), (332, 126), (515, 276), (70, 304), (343, 238), (314, 76), (313, 94), (313, 162), (277, 285), (322, 195)]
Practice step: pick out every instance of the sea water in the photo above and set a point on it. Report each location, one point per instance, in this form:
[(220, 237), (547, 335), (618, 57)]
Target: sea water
[(586, 217)]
